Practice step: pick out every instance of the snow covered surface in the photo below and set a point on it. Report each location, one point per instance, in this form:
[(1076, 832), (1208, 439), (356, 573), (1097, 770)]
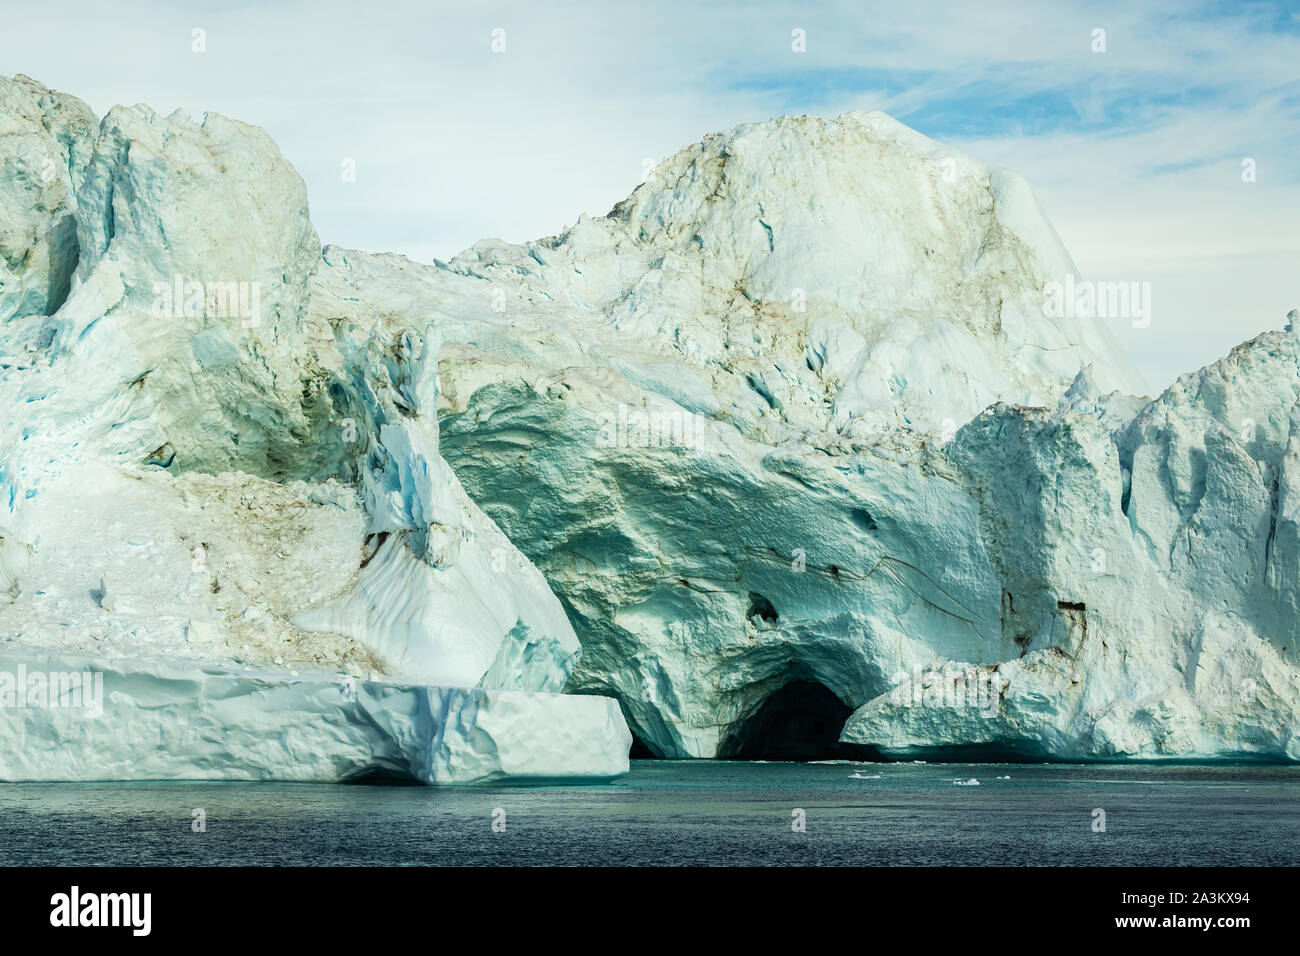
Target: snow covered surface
[(793, 411)]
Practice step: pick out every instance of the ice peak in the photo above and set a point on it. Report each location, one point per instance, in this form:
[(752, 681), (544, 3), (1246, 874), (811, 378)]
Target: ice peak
[(1082, 390)]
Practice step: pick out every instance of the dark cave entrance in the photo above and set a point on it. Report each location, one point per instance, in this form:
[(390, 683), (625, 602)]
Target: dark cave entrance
[(801, 721)]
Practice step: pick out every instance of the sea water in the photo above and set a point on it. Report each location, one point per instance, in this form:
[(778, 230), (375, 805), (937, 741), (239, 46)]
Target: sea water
[(685, 812)]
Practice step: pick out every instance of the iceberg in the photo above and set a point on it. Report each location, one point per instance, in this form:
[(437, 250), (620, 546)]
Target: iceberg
[(909, 460), (795, 452)]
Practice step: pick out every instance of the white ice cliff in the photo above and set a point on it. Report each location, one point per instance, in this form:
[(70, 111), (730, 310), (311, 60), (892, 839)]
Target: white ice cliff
[(787, 432), (234, 505)]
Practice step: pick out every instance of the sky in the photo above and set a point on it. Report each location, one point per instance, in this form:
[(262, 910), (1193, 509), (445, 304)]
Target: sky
[(1135, 151)]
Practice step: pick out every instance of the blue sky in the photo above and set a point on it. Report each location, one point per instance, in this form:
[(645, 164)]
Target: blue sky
[(1135, 152)]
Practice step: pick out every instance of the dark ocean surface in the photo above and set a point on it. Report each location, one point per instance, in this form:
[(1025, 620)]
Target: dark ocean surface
[(685, 812)]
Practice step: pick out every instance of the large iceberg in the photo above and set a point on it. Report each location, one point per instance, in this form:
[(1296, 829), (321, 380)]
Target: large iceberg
[(793, 434), (801, 427)]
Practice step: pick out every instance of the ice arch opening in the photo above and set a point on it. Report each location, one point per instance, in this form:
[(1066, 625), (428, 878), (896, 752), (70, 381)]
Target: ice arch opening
[(801, 720)]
